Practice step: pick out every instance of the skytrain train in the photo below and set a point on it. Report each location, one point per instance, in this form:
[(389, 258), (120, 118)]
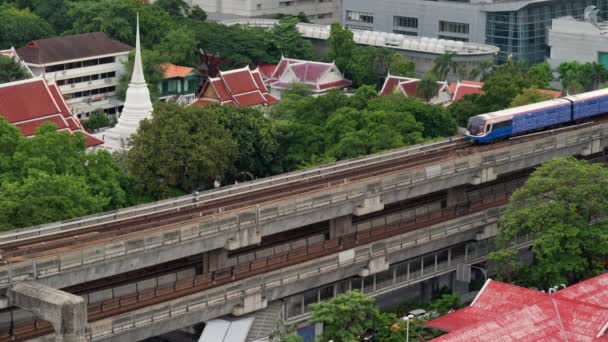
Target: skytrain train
[(490, 127)]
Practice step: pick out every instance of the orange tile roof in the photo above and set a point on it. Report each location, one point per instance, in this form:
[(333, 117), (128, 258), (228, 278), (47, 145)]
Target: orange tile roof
[(172, 70), (553, 93)]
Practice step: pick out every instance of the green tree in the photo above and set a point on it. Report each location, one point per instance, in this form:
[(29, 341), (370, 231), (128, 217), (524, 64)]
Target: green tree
[(288, 40), (343, 317), (530, 95), (153, 73), (399, 65), (54, 12), (469, 105), (11, 71), (341, 46), (176, 8), (97, 120), (597, 73), (482, 71), (117, 19), (50, 177), (443, 65), (255, 137), (506, 82), (393, 329), (19, 27), (197, 13), (362, 68), (561, 205), (180, 148), (427, 87), (447, 303), (539, 75), (179, 47)]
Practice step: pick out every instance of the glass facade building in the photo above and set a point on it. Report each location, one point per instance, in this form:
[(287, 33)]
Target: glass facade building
[(522, 33)]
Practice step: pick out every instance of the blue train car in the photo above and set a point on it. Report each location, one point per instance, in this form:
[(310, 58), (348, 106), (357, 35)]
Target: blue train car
[(589, 104), (486, 128)]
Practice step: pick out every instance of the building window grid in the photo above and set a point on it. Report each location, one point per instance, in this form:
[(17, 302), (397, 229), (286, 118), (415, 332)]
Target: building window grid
[(453, 27), (409, 22), (87, 78), (363, 17), (522, 34), (80, 64)]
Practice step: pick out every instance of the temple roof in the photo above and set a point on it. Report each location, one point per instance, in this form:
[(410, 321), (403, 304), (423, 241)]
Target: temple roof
[(319, 76), (239, 87), (17, 107)]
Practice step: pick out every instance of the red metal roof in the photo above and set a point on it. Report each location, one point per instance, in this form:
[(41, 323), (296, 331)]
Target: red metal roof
[(503, 312), (30, 103), (391, 82), (460, 89)]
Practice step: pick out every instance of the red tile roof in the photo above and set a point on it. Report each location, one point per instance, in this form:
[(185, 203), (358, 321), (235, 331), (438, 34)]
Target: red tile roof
[(319, 76), (30, 103), (240, 87), (391, 82), (175, 71), (462, 88), (239, 81), (267, 70), (74, 47), (503, 312), (254, 98), (553, 93)]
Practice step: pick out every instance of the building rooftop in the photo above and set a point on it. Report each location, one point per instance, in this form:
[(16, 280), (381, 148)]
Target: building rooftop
[(319, 76), (30, 103), (382, 39), (503, 312), (176, 71), (66, 48), (239, 87)]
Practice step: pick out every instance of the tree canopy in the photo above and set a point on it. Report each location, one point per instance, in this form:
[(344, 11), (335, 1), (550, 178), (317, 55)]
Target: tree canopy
[(19, 26), (11, 71), (577, 78), (180, 149), (50, 177), (563, 205), (528, 96)]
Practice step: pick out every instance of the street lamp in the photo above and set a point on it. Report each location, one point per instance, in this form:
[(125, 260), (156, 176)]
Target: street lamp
[(407, 326)]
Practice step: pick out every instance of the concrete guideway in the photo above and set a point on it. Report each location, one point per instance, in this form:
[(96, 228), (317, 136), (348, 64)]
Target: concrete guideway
[(239, 228)]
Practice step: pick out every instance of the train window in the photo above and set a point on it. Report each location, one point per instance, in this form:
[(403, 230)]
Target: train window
[(502, 124), (475, 126)]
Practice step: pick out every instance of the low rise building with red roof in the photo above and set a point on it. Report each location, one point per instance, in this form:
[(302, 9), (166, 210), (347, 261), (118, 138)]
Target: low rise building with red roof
[(461, 88), (408, 86), (240, 87), (320, 77), (30, 103), (504, 312), (179, 83)]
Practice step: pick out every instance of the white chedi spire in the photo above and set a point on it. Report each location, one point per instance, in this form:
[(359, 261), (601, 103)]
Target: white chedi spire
[(137, 107)]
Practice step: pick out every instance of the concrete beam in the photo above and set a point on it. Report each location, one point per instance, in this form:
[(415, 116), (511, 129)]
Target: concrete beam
[(375, 265), (65, 311), (250, 303), (370, 205), (244, 238), (340, 226)]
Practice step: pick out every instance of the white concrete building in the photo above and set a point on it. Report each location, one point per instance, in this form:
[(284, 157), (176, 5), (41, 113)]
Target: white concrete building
[(138, 106), (584, 41), (86, 67), (317, 11), (517, 27)]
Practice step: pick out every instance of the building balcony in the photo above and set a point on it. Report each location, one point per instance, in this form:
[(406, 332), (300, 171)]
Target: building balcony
[(119, 68), (81, 86), (98, 98)]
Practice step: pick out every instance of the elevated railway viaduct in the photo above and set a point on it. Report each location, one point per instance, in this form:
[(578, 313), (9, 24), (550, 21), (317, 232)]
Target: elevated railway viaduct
[(415, 213)]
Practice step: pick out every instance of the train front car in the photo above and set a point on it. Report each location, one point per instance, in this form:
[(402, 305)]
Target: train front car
[(476, 129)]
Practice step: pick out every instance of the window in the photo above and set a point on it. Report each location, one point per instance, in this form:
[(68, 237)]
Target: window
[(363, 17), (407, 33), (454, 38), (405, 22), (448, 26), (286, 3)]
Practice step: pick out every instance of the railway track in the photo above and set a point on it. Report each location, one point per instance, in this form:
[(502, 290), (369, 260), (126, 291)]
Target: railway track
[(90, 235), (166, 292)]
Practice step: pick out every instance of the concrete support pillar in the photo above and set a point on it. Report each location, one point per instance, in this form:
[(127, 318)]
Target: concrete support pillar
[(487, 232), (215, 260), (456, 195), (426, 291), (376, 265), (370, 205), (65, 311), (252, 302), (244, 238), (595, 146), (485, 175), (341, 226)]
